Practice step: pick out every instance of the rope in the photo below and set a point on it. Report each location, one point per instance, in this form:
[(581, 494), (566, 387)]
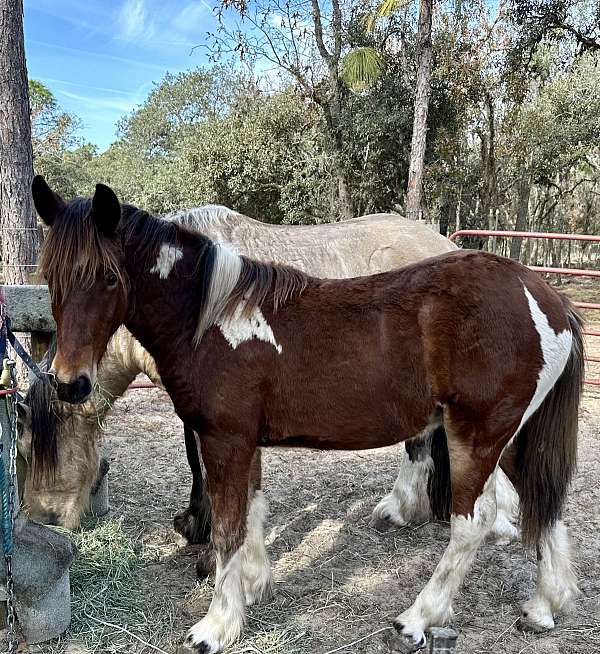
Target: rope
[(6, 523)]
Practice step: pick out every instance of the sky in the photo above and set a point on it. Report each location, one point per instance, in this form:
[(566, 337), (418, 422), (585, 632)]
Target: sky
[(100, 58)]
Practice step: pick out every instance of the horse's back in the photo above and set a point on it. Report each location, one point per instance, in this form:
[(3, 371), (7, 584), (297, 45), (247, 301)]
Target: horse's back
[(352, 248)]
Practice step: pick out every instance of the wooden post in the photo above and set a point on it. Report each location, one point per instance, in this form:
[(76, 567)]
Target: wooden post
[(40, 342)]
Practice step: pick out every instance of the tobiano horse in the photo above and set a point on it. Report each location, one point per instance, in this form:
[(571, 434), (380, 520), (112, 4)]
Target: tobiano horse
[(260, 355), (363, 245)]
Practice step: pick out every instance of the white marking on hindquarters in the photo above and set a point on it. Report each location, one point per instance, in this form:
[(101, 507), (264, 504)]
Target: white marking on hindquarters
[(256, 568), (224, 277), (408, 501), (433, 605), (556, 583), (168, 256), (238, 329), (556, 349), (225, 618)]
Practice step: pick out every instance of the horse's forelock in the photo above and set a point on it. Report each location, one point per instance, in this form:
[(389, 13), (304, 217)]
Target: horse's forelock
[(74, 251)]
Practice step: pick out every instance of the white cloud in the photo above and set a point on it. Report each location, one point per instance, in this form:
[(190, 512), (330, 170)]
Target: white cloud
[(118, 105), (190, 19), (134, 22)]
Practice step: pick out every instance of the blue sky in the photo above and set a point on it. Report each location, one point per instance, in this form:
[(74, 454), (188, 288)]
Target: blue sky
[(101, 57)]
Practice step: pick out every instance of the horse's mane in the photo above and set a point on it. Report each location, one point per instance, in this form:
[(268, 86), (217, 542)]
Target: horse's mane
[(232, 281), (205, 218), (229, 280), (41, 399)]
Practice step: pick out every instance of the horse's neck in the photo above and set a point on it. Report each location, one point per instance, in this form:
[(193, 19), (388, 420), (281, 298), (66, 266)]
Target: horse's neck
[(124, 360)]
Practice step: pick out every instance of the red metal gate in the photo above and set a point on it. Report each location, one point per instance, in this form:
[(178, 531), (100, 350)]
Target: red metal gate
[(576, 272)]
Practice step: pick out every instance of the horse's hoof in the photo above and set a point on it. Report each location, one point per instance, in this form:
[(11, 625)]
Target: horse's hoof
[(191, 649), (536, 617), (201, 648), (386, 515), (407, 639), (380, 524), (206, 563), (191, 527)]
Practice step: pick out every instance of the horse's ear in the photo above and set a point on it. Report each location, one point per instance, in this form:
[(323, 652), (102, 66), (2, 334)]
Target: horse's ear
[(106, 210), (47, 203)]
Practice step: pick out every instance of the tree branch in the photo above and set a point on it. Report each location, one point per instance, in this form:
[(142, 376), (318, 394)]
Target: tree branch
[(319, 32)]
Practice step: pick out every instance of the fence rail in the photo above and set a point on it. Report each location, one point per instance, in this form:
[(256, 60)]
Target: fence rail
[(576, 272)]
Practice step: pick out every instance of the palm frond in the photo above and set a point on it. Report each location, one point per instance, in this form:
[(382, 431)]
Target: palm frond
[(384, 10), (388, 7), (361, 68)]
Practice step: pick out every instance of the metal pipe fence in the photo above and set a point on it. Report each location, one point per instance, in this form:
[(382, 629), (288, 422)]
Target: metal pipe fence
[(575, 272)]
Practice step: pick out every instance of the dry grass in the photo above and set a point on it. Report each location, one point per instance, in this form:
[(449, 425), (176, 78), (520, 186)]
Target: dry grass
[(109, 614)]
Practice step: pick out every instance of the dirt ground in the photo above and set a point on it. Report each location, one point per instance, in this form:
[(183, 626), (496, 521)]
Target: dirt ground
[(337, 579)]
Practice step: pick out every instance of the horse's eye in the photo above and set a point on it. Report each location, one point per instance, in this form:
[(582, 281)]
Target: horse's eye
[(110, 279)]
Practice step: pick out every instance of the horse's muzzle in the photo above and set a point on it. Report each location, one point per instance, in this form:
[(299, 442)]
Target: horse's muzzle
[(75, 392)]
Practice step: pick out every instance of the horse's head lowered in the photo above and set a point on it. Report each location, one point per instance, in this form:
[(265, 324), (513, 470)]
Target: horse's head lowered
[(83, 262)]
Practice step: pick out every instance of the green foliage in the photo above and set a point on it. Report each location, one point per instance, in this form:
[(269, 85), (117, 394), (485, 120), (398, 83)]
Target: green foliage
[(214, 135), (180, 101), (53, 130), (361, 68), (561, 126)]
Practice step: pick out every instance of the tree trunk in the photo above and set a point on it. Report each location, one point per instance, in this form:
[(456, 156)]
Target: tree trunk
[(17, 217), (332, 103), (419, 135), (20, 239), (333, 115), (522, 214)]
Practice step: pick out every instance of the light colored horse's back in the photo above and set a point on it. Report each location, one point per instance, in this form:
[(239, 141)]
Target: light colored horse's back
[(353, 248)]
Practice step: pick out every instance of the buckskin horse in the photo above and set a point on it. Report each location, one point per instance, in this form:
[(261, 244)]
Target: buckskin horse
[(359, 246), (254, 354)]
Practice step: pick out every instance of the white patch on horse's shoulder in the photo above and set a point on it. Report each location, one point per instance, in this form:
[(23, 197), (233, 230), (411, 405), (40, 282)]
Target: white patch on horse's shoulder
[(168, 256), (556, 349), (238, 329)]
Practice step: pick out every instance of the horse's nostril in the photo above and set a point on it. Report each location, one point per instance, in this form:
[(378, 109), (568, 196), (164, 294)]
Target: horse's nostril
[(83, 386), (75, 392)]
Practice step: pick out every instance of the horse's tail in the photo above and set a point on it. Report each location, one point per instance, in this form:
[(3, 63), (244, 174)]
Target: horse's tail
[(546, 446), (439, 489)]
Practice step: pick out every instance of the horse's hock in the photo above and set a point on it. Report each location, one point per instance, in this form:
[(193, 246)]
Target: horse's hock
[(40, 566)]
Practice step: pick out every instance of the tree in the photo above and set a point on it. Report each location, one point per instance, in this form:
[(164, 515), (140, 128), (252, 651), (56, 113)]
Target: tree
[(419, 136), (305, 44), (52, 130), (552, 21), (362, 68), (17, 216)]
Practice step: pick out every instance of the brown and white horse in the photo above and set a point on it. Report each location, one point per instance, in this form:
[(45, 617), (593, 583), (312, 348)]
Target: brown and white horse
[(368, 244), (263, 355)]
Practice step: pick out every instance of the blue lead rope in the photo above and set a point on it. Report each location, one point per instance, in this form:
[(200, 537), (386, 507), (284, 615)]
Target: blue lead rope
[(5, 523), (5, 526)]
